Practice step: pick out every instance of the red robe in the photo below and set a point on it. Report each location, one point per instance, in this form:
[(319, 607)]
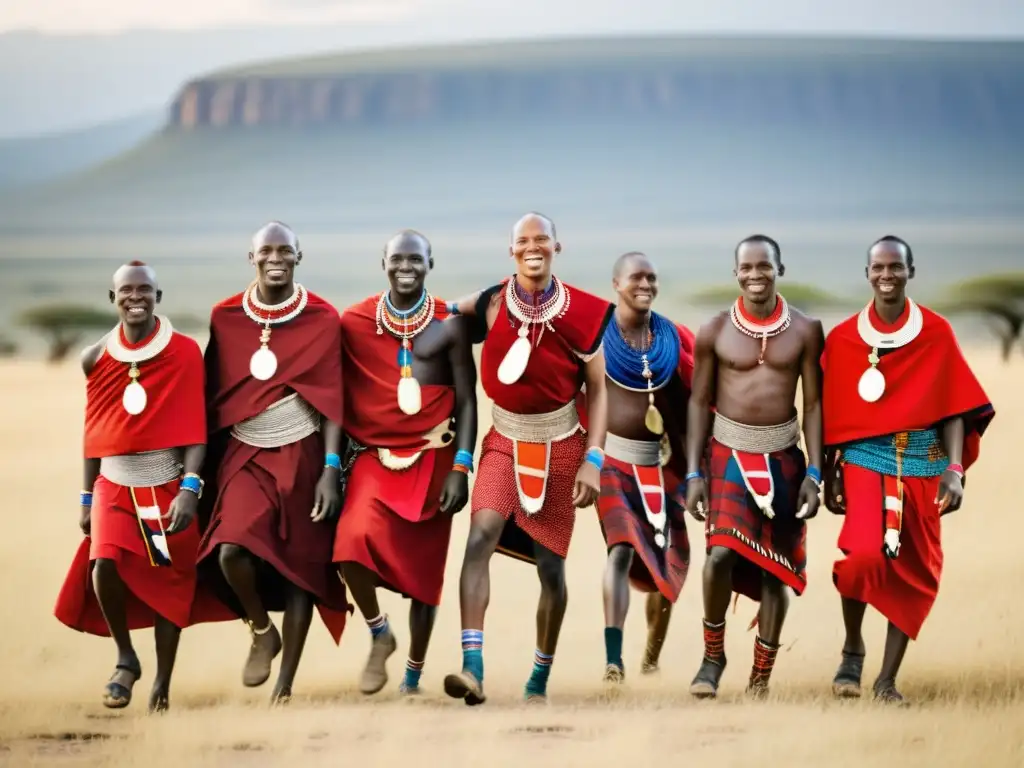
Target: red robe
[(389, 522), (553, 378), (174, 417), (261, 499), (928, 381)]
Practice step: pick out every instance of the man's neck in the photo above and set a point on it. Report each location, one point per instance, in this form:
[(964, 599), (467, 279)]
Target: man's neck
[(400, 302), (134, 334), (631, 319), (890, 311), (275, 294), (533, 284), (763, 310)]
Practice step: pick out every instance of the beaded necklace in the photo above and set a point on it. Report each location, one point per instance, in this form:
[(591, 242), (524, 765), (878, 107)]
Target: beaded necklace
[(551, 304), (647, 368), (134, 398), (405, 325), (871, 386), (756, 328), (263, 363)]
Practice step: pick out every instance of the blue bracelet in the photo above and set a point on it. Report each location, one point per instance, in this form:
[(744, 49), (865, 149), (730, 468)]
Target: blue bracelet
[(453, 308), (814, 473), (85, 498), (596, 457), (191, 483), (693, 476), (333, 460), (463, 459)]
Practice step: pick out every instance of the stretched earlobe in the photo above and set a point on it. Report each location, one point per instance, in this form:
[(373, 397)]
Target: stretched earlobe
[(159, 296), (111, 293)]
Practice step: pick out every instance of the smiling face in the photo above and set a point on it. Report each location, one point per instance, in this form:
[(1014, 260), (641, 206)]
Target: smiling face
[(888, 272), (275, 252), (636, 282), (534, 246), (135, 295), (407, 260), (757, 267)]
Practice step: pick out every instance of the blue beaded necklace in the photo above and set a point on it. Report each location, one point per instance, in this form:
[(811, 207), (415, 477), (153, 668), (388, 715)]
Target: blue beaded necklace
[(405, 324), (643, 370)]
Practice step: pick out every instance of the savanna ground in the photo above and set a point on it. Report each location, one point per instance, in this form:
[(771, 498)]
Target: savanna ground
[(966, 673)]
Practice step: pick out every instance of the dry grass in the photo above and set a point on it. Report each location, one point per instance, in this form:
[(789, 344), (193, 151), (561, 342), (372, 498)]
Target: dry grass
[(966, 672)]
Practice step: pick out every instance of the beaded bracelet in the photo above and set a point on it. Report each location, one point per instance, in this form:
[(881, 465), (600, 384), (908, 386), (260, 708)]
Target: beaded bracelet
[(814, 473), (463, 461), (596, 457), (333, 461), (192, 483), (85, 498), (957, 468), (453, 308), (694, 476)]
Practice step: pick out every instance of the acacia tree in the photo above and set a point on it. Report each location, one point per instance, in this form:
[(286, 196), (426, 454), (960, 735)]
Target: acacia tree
[(64, 325), (999, 299)]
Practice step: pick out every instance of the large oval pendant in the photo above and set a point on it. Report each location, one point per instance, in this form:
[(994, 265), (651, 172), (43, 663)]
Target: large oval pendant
[(871, 386), (653, 420), (514, 363), (409, 398), (263, 364), (134, 398)]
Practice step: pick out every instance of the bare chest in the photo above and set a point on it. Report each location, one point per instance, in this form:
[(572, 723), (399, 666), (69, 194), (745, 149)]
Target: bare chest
[(738, 352)]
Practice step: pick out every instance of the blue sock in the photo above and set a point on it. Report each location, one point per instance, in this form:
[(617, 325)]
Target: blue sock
[(378, 626), (613, 646), (413, 670), (538, 682), (473, 652)]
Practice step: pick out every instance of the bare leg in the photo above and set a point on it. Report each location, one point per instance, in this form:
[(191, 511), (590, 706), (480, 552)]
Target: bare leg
[(554, 598), (717, 591), (362, 584), (112, 595), (298, 613), (658, 610), (771, 616), (846, 683), (166, 634), (474, 595), (895, 647), (616, 605), (421, 626), (239, 569)]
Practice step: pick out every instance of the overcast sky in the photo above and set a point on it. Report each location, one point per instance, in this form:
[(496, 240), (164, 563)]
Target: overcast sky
[(1004, 18)]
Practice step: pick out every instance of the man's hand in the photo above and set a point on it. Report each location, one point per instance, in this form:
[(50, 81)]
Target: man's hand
[(327, 502), (85, 519), (808, 500), (951, 492), (697, 503), (588, 485), (455, 492), (182, 511), (835, 491)]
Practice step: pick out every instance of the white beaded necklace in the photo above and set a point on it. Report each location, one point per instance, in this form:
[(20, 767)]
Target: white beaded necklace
[(871, 386), (263, 363), (135, 398), (513, 365)]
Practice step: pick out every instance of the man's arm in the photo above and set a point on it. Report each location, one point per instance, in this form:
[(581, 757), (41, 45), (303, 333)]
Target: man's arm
[(953, 439), (597, 400), (698, 409), (460, 356), (810, 383)]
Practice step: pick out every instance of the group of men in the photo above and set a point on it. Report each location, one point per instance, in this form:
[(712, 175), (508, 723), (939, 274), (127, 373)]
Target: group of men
[(308, 456)]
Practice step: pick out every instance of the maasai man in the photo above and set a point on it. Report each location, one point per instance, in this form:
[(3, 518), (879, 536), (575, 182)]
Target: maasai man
[(410, 419), (541, 343), (273, 368), (649, 362), (904, 416), (748, 362), (145, 439)]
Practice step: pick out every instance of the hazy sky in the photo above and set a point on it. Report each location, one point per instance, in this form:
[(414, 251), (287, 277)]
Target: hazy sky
[(918, 17)]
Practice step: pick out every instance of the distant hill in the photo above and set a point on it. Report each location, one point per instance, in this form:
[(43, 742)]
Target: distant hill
[(652, 132), (42, 158)]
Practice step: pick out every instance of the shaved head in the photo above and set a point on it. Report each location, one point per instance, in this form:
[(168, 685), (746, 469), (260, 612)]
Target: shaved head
[(625, 261), (400, 240), (135, 272), (537, 217), (275, 232)]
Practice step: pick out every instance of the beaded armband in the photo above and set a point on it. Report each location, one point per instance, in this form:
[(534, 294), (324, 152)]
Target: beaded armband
[(192, 483)]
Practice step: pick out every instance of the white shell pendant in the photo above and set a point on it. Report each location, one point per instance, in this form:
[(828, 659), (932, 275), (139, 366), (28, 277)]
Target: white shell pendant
[(659, 539), (409, 398), (134, 398), (263, 363), (518, 356), (871, 386)]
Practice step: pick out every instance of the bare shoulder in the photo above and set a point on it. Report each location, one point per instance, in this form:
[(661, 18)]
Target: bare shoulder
[(707, 333), (457, 329), (810, 328), (91, 355)]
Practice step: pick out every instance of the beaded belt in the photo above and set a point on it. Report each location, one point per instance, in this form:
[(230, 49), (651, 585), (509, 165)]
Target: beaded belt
[(749, 439), (536, 427), (643, 453), (287, 421), (140, 470)]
